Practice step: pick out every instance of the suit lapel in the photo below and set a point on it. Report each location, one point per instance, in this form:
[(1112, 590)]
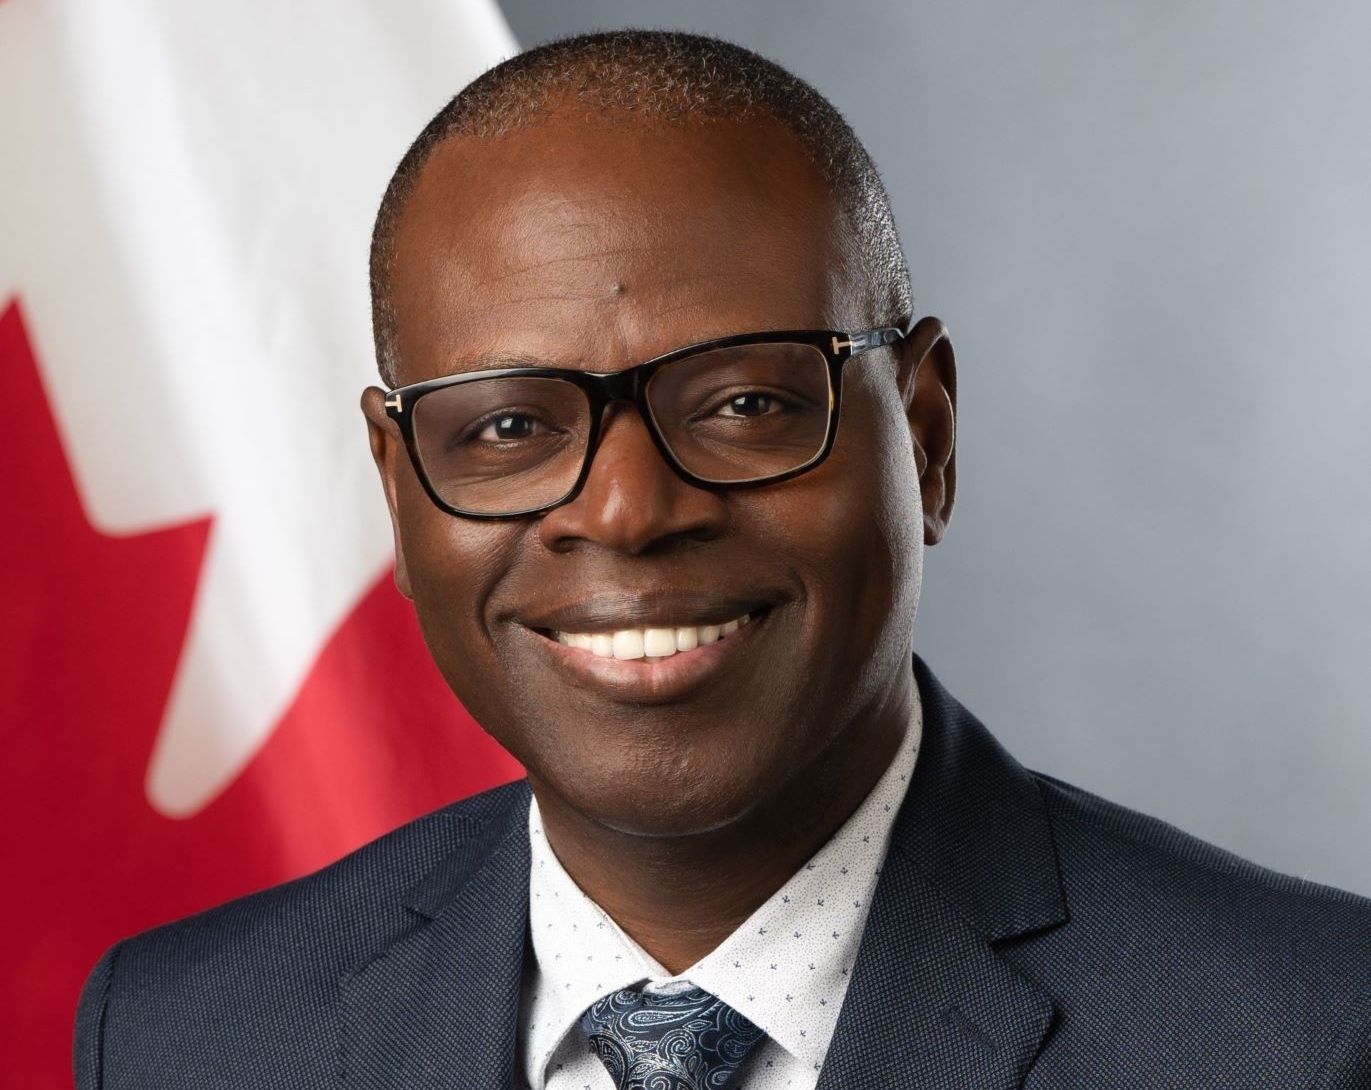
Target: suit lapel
[(439, 1007), (932, 1004)]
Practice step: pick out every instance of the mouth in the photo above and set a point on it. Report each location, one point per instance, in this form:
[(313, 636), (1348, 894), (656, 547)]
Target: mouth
[(662, 661), (650, 644)]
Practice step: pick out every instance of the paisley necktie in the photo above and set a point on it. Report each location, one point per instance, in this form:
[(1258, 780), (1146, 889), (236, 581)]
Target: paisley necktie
[(687, 1040)]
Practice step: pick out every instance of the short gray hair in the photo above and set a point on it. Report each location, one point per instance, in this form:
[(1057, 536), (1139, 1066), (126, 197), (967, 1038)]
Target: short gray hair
[(668, 76)]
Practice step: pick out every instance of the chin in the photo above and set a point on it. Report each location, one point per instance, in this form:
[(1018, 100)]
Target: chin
[(662, 803)]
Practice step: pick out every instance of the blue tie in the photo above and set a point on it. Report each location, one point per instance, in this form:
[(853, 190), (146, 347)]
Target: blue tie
[(684, 1041)]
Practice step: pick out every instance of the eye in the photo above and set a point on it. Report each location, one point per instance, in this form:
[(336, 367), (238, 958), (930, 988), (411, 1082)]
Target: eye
[(509, 427), (752, 404)]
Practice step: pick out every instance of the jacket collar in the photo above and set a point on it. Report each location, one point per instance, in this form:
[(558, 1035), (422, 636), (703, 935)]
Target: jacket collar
[(975, 824), (971, 865), (439, 1007)]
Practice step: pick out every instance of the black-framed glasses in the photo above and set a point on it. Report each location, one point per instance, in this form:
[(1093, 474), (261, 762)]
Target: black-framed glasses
[(734, 412)]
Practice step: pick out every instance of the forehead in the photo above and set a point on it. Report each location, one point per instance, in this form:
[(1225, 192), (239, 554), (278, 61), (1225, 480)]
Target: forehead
[(597, 242)]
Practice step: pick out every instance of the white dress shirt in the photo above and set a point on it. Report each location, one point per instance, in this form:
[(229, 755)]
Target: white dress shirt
[(786, 968)]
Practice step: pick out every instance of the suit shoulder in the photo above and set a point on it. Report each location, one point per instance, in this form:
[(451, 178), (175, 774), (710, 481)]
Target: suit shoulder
[(1181, 899), (1078, 814), (1273, 971), (334, 913), (165, 1007)]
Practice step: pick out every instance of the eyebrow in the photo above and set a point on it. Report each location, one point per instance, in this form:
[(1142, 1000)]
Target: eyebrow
[(499, 361), (496, 360), (493, 361)]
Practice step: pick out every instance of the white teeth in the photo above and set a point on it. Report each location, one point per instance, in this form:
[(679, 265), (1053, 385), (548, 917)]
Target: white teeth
[(653, 644), (658, 643), (628, 644)]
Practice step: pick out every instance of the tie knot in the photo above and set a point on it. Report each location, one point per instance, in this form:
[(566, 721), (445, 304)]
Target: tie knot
[(688, 1040)]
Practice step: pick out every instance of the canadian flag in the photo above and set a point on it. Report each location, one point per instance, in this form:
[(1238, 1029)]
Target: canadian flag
[(207, 680)]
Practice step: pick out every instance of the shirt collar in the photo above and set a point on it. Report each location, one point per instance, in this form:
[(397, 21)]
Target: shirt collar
[(786, 968)]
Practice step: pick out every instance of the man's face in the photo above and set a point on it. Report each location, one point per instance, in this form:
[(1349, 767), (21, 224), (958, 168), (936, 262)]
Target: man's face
[(595, 245)]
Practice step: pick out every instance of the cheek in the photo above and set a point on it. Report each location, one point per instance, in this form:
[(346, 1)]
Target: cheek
[(454, 566), (865, 513), (896, 508), (897, 503), (857, 527)]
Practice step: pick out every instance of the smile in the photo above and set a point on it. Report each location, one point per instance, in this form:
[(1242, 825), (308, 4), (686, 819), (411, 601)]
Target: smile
[(651, 644), (649, 653)]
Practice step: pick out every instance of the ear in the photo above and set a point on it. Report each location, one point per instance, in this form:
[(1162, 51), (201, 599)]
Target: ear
[(386, 450), (927, 377)]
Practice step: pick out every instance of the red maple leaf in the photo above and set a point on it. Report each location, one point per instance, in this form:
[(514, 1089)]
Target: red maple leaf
[(92, 628)]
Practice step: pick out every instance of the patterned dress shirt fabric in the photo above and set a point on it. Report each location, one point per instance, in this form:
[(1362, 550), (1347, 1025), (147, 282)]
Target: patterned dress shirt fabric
[(785, 968)]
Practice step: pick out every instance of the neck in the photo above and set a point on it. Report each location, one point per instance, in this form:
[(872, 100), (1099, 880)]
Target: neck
[(680, 897)]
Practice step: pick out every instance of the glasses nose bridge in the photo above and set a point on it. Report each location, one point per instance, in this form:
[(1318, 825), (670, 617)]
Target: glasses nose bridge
[(628, 387), (625, 385)]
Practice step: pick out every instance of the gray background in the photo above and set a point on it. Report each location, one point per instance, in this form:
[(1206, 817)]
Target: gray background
[(1148, 225)]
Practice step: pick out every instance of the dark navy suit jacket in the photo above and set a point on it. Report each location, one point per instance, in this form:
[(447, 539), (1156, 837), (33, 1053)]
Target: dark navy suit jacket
[(1023, 933)]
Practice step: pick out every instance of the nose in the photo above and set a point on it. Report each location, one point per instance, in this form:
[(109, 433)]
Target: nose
[(632, 502)]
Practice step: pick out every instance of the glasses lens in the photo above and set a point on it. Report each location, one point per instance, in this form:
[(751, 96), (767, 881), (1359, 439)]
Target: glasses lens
[(745, 413), (498, 446)]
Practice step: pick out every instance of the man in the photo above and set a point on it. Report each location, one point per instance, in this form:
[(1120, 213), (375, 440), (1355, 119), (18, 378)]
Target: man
[(662, 447)]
